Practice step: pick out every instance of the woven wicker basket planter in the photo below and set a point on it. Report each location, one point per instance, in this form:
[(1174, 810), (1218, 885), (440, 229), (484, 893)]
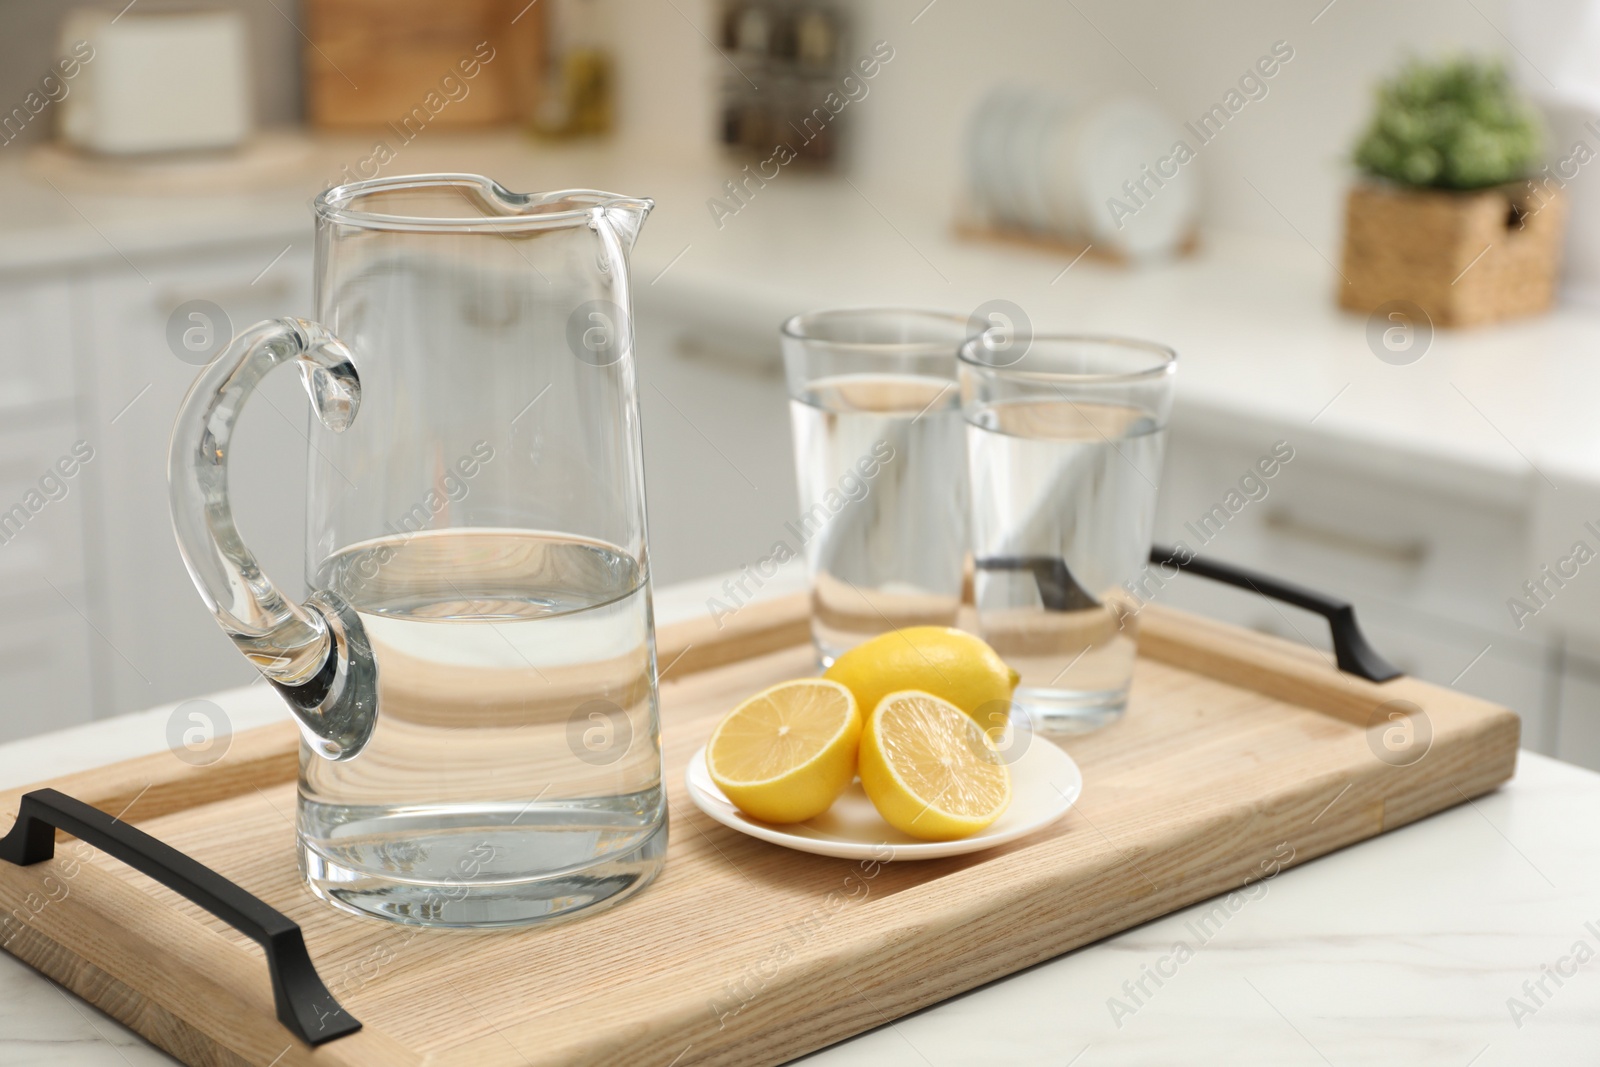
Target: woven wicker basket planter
[(1464, 257)]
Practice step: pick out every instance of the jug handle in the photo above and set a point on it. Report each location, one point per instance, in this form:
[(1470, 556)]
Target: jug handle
[(317, 654)]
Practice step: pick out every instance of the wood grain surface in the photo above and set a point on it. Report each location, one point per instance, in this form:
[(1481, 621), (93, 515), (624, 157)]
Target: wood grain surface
[(1239, 754), (398, 67)]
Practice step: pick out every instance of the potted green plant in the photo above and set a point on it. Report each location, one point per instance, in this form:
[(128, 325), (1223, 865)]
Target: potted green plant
[(1446, 215)]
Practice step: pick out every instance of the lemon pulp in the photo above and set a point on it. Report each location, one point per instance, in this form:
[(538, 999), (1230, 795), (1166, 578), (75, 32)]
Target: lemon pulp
[(930, 770), (785, 754)]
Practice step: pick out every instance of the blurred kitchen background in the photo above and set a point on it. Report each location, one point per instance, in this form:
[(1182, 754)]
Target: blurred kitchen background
[(961, 159)]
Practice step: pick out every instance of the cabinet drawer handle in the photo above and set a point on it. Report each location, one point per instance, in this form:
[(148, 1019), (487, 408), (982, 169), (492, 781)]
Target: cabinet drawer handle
[(758, 361), (24, 470), (1406, 553), (305, 1006)]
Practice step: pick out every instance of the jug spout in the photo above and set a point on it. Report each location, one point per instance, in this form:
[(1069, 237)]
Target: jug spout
[(626, 215)]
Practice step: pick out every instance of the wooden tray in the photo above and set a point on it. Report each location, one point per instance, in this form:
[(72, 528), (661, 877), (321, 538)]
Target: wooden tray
[(1239, 753)]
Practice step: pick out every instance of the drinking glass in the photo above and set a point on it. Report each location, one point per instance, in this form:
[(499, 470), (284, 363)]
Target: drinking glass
[(1064, 445), (879, 457), (474, 672)]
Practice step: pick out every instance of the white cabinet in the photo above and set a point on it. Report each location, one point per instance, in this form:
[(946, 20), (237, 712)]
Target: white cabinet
[(1428, 570), (43, 474), (719, 477), (161, 643), (101, 618), (45, 669), (1578, 723), (45, 650), (37, 382), (98, 616)]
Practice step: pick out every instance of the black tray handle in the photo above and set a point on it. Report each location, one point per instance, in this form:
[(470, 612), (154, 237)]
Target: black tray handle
[(1354, 654), (1060, 591), (304, 1004)]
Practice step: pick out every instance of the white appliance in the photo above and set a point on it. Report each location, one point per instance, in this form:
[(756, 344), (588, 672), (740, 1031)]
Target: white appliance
[(1563, 38), (158, 82)]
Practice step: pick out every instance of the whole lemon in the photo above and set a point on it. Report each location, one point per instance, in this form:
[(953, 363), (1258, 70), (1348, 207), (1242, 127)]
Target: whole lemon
[(951, 664)]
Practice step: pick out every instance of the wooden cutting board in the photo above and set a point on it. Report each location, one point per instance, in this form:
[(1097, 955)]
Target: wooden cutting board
[(1240, 753)]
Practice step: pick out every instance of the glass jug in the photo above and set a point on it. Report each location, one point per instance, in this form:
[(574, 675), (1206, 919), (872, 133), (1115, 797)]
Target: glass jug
[(474, 671)]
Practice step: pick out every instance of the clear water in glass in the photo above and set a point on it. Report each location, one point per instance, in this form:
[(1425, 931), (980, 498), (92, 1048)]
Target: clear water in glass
[(1072, 481), (880, 460)]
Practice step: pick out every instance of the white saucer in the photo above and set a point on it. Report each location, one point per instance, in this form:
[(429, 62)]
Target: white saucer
[(1045, 783)]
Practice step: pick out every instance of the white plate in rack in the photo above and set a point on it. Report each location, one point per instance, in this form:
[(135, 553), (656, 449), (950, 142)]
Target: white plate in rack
[(1045, 783)]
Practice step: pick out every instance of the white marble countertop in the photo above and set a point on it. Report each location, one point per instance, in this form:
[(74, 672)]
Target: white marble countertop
[(1469, 938)]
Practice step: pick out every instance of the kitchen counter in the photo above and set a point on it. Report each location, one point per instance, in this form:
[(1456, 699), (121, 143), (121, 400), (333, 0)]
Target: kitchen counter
[(1468, 938), (1500, 413), (1497, 418), (1406, 948)]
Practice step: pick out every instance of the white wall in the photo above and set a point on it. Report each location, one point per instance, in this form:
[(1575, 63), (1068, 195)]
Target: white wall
[(907, 133), (1292, 144)]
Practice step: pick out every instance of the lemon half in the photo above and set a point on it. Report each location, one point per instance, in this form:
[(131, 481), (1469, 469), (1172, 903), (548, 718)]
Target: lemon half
[(785, 754), (930, 770)]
